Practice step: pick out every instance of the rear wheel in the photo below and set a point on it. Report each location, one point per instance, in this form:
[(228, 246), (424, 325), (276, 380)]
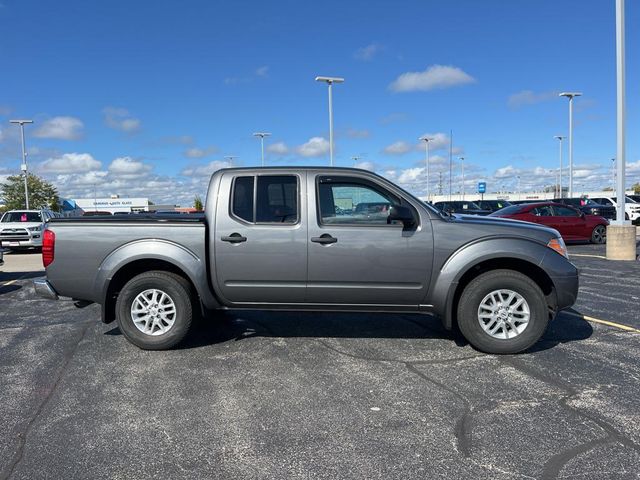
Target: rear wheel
[(154, 310), (502, 311), (599, 234)]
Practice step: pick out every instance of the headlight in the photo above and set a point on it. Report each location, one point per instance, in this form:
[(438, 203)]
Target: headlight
[(34, 229), (558, 245)]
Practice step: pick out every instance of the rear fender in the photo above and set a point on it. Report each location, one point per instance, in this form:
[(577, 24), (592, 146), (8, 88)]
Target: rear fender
[(177, 255)]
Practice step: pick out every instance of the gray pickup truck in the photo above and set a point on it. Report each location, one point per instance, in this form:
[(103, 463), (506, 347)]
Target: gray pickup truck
[(331, 239)]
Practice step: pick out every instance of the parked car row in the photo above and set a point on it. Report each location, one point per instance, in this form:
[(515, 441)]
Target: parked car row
[(577, 219)]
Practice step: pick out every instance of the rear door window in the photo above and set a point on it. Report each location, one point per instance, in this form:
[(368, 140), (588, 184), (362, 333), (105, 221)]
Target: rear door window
[(269, 199)]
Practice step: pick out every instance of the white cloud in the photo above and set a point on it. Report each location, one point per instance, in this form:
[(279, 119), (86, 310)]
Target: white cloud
[(60, 128), (205, 170), (529, 97), (126, 167), (410, 175), (70, 163), (262, 71), (120, 119), (315, 147), (196, 152), (279, 148), (506, 172), (397, 148), (367, 53), (434, 77), (83, 179), (366, 166)]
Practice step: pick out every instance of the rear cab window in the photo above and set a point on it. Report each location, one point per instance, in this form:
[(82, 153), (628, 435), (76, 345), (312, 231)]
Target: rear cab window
[(266, 199)]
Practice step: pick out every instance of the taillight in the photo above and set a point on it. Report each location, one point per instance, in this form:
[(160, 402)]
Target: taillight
[(48, 247)]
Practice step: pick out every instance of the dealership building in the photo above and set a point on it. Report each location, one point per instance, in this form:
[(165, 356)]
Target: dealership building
[(113, 204)]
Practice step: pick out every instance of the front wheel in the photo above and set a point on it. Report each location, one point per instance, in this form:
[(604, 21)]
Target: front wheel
[(599, 234), (502, 311), (154, 310)]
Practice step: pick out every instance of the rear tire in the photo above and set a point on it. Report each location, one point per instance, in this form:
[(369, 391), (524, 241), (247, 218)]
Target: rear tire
[(599, 234), (154, 310), (505, 331)]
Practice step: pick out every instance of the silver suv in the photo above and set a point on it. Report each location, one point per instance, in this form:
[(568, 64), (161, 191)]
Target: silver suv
[(22, 229)]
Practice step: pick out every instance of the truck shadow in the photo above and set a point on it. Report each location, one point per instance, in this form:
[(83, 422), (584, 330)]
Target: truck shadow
[(237, 326)]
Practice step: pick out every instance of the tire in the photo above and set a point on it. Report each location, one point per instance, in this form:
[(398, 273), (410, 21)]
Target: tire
[(167, 329), (479, 291), (599, 234)]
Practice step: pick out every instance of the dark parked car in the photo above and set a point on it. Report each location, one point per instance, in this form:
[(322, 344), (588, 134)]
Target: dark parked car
[(635, 198), (589, 207), (493, 205), (572, 224), (460, 206)]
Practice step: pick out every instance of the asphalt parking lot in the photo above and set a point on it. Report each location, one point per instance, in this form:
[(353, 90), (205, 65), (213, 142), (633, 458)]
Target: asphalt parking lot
[(290, 395)]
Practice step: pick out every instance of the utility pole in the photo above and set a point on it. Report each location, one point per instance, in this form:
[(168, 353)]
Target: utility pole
[(560, 193), (426, 140), (330, 81), (570, 96), (462, 166), (262, 135), (450, 161), (23, 167)]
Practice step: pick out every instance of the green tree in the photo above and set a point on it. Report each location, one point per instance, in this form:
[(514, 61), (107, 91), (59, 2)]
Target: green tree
[(197, 203), (636, 188), (42, 194)]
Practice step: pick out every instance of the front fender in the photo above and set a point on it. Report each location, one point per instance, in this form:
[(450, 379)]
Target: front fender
[(154, 249), (472, 254)]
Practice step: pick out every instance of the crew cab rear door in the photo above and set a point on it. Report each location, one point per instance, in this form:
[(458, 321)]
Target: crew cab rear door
[(355, 256), (260, 238)]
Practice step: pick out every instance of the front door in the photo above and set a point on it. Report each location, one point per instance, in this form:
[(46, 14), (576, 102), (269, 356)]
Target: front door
[(356, 256), (260, 238)]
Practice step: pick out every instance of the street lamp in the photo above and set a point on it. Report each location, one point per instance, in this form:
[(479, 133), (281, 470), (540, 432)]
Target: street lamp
[(262, 135), (570, 96), (230, 159), (518, 177), (23, 167), (560, 138), (426, 141), (613, 174), (355, 159), (330, 81), (462, 165)]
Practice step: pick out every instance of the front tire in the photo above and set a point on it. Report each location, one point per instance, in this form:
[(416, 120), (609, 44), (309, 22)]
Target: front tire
[(154, 310), (502, 312), (599, 234)]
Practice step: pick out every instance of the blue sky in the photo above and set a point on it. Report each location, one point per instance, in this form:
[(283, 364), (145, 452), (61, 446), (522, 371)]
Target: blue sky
[(147, 98)]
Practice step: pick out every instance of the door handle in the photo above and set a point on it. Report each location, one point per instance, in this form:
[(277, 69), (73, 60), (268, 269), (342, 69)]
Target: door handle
[(324, 239), (234, 238)]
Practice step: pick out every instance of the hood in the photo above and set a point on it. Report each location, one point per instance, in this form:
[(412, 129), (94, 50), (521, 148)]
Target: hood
[(4, 225), (501, 225)]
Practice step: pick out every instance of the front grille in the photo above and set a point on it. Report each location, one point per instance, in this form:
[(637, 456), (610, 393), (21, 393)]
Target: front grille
[(14, 232)]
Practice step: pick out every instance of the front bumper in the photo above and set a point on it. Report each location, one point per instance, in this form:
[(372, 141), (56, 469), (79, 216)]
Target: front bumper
[(44, 289), (21, 241)]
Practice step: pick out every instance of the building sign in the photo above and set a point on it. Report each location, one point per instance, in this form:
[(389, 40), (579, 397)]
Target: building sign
[(113, 204)]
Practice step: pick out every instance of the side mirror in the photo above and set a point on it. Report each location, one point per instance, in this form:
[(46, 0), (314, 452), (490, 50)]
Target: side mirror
[(401, 214)]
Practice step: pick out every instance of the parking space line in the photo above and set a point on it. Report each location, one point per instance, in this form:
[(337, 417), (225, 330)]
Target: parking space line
[(604, 322), (586, 255), (11, 282)]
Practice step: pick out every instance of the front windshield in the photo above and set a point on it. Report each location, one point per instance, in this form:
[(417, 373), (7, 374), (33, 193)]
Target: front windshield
[(22, 217)]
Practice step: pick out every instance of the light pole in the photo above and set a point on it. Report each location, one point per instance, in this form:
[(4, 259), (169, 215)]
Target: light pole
[(462, 165), (426, 141), (355, 159), (570, 96), (518, 177), (560, 138), (23, 167), (230, 159), (262, 135), (613, 174), (330, 81)]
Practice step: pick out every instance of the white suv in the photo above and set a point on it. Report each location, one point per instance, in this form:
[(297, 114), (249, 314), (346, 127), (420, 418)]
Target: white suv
[(631, 207), (22, 229)]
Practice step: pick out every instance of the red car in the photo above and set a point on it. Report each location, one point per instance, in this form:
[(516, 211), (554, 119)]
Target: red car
[(572, 224)]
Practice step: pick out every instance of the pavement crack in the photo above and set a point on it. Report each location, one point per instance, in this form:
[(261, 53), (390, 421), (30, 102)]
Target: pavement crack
[(8, 471), (556, 463)]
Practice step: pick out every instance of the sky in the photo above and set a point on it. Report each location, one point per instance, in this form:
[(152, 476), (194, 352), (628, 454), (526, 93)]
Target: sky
[(148, 98)]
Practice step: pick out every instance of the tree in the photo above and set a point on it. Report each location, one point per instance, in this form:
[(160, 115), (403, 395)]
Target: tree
[(636, 188), (197, 203), (42, 194)]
